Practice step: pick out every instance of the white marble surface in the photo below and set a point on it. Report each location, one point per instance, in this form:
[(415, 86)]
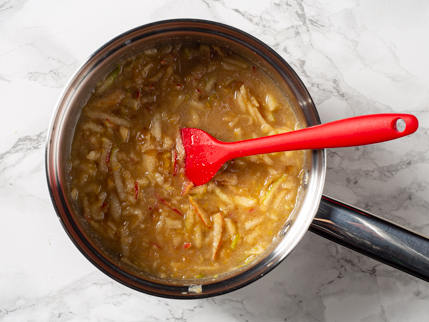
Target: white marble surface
[(356, 57)]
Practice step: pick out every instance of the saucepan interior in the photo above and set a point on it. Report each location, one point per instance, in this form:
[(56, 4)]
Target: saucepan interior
[(76, 94)]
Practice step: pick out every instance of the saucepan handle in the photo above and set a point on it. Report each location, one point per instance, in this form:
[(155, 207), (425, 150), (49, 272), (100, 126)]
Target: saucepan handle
[(372, 236)]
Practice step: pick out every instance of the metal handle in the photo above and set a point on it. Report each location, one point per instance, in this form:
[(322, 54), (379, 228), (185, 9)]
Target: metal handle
[(372, 236)]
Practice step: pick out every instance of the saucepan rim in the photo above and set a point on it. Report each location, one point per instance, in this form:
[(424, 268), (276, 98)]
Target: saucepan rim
[(59, 138)]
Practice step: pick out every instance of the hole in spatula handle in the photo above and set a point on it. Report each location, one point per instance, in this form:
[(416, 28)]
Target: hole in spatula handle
[(400, 125)]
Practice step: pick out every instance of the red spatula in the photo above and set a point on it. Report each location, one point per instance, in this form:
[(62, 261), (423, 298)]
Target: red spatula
[(205, 154)]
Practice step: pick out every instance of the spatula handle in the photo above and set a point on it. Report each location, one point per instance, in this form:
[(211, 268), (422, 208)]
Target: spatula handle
[(355, 131)]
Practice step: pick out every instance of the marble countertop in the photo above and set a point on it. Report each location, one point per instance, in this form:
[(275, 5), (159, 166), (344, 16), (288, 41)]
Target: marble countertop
[(355, 57)]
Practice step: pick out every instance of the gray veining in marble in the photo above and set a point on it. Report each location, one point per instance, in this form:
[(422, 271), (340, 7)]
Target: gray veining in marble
[(355, 57)]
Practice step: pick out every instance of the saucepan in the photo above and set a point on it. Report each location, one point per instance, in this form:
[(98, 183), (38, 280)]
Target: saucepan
[(323, 215)]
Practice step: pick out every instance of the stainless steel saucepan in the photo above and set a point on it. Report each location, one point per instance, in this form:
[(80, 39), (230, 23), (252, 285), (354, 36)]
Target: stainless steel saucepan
[(330, 218)]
